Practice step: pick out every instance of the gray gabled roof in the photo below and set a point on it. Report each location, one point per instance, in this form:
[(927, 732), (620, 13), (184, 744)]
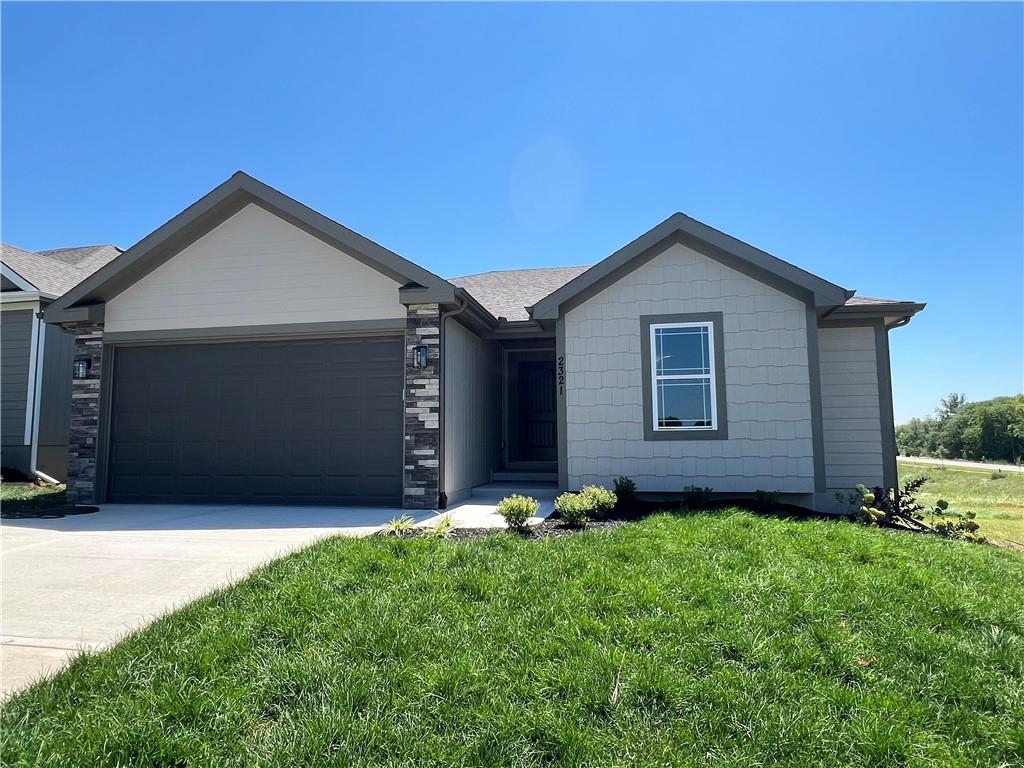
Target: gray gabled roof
[(680, 228), (507, 293), (86, 300), (57, 271)]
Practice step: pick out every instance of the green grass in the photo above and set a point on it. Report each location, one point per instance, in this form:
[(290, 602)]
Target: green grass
[(999, 504), (722, 639), (27, 495)]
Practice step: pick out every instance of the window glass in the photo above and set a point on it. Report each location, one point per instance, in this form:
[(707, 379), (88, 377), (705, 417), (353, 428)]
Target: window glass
[(684, 403), (683, 376), (682, 350)]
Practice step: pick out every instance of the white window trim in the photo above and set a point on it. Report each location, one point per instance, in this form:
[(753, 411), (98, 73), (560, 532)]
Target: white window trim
[(655, 377)]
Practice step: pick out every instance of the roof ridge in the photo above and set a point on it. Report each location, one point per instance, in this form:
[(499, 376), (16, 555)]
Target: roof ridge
[(520, 269), (77, 247)]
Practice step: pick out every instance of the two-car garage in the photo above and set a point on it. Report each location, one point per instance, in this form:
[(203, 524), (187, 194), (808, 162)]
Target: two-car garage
[(314, 421)]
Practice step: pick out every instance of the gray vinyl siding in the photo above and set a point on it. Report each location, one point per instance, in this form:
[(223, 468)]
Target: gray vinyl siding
[(55, 402), (851, 416), (767, 384), (15, 353), (471, 410)]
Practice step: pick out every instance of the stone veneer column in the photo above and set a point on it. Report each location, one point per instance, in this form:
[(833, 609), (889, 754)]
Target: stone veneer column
[(85, 414), (421, 477)]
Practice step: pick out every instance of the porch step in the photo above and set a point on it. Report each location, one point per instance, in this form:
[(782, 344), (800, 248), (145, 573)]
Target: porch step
[(524, 477), (497, 491)]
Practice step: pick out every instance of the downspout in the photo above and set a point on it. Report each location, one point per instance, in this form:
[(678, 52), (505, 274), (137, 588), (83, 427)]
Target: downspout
[(442, 500), (37, 376)]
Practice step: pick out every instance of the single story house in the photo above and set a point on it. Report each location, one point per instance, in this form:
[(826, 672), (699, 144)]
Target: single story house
[(253, 350), (35, 359)]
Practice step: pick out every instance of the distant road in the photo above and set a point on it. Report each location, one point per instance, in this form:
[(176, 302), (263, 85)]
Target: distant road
[(957, 463)]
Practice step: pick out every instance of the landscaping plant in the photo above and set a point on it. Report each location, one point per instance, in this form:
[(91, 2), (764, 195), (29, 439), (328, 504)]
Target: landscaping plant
[(695, 497), (954, 525), (602, 500), (766, 501), (625, 490), (516, 510), (444, 529), (902, 510), (576, 509), (399, 526)]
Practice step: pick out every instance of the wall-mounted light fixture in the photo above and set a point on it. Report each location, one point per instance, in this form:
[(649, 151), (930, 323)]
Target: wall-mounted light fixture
[(420, 356), (81, 368)]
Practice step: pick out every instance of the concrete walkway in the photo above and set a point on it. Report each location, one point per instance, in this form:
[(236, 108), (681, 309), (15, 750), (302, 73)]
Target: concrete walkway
[(480, 510), (960, 464), (82, 581)]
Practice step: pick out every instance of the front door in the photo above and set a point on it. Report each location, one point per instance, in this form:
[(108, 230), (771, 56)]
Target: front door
[(536, 400)]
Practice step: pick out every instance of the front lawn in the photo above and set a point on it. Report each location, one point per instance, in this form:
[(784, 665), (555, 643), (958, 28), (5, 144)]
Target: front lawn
[(22, 498), (721, 639), (996, 496)]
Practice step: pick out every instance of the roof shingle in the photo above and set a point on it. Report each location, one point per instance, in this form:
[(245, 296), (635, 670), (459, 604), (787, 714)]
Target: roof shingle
[(507, 293), (57, 271)]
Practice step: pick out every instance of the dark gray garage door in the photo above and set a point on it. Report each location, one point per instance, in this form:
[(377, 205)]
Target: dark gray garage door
[(299, 422)]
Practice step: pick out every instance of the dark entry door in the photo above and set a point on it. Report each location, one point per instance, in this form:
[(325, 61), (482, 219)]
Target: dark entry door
[(537, 437), (296, 422)]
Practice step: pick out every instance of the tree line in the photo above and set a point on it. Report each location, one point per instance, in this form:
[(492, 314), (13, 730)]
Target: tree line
[(990, 430)]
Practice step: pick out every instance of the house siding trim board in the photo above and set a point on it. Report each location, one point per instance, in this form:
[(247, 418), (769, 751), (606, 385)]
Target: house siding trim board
[(87, 300), (680, 229)]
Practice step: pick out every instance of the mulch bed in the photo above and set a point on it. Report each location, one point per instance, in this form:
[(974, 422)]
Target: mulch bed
[(553, 527)]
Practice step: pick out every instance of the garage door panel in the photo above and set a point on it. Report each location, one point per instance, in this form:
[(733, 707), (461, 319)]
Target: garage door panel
[(316, 422)]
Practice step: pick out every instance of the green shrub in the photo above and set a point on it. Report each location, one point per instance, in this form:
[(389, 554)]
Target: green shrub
[(766, 501), (399, 526), (602, 500), (575, 509), (516, 510), (954, 525), (625, 490), (863, 506), (694, 496)]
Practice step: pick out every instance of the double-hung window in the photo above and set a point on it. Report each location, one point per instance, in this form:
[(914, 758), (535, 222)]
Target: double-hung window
[(683, 386)]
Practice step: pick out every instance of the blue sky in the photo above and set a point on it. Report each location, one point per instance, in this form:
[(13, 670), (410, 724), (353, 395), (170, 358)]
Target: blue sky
[(879, 146)]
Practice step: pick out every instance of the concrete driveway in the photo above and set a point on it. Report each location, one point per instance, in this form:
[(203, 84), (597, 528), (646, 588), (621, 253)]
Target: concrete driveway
[(81, 582)]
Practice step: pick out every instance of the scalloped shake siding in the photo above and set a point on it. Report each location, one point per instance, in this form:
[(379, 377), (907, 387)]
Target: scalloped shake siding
[(769, 446)]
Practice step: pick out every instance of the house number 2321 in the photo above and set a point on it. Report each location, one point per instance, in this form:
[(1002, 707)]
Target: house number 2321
[(561, 374)]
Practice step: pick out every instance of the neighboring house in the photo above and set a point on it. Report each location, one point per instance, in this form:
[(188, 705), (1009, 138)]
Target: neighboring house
[(35, 359), (253, 350)]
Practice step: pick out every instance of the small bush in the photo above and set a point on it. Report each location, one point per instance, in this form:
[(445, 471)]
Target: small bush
[(766, 501), (997, 475), (955, 525), (516, 510), (602, 500), (863, 506), (575, 509), (399, 526), (694, 496), (625, 490)]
